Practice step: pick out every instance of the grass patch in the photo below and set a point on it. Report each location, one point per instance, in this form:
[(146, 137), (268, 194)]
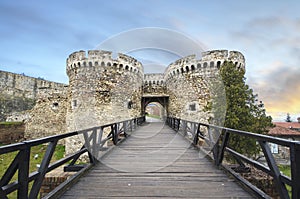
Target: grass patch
[(11, 123), (36, 157), (59, 152), (286, 170), (153, 116)]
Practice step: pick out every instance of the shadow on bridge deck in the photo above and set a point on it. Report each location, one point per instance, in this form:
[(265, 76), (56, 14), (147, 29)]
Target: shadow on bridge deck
[(155, 162)]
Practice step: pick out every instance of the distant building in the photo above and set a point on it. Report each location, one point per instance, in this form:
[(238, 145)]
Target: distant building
[(153, 109), (290, 125), (285, 130)]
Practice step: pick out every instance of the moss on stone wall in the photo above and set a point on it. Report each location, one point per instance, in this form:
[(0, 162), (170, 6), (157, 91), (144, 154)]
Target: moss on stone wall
[(9, 104)]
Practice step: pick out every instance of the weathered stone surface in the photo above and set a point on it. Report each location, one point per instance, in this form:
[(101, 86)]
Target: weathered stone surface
[(11, 132), (18, 92), (154, 85), (103, 90), (12, 105), (48, 116), (22, 116)]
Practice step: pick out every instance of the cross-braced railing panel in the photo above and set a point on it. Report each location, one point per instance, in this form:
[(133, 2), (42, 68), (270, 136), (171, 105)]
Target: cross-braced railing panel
[(93, 143), (217, 139)]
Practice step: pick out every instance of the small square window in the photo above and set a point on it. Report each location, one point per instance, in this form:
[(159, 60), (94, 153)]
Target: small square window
[(74, 104), (55, 105), (129, 105), (192, 107)]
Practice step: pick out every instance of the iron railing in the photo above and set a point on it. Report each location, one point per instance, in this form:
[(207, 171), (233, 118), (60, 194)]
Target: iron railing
[(217, 139), (94, 142)]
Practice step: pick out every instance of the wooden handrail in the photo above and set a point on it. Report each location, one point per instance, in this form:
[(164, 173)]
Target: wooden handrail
[(221, 145), (20, 164)]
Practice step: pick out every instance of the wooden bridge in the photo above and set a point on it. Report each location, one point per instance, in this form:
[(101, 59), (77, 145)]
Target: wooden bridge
[(155, 160)]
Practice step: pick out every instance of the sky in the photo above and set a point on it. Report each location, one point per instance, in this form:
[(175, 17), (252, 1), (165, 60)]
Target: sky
[(36, 37)]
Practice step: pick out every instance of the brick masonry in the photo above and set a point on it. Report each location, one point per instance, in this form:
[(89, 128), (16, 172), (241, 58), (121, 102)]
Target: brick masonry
[(53, 179)]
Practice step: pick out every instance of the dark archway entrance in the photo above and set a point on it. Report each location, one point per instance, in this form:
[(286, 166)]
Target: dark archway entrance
[(162, 100)]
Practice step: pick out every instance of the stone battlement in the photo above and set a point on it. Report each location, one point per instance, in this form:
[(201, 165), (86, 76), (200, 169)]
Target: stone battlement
[(154, 78), (101, 59), (210, 62)]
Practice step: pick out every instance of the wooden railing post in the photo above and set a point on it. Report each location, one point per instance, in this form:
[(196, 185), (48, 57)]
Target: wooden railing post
[(220, 150), (184, 127), (94, 141), (115, 133), (281, 188), (131, 128), (42, 170), (125, 129), (196, 133), (178, 124), (99, 145), (295, 168), (88, 146), (23, 172), (174, 123), (133, 124)]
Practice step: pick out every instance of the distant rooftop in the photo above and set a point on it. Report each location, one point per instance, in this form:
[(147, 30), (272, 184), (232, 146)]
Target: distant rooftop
[(283, 131), (291, 125)]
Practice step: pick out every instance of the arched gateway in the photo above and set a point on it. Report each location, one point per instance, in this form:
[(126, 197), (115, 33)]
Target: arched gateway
[(104, 89), (154, 90)]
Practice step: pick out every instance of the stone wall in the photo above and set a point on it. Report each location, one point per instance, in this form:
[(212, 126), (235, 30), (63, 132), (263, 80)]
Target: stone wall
[(18, 92), (11, 132), (189, 96), (101, 90), (22, 116), (154, 85), (48, 116), (194, 86), (11, 106)]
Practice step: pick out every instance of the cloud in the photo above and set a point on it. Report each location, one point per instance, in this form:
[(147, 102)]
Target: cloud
[(20, 20), (279, 88), (272, 44), (272, 31)]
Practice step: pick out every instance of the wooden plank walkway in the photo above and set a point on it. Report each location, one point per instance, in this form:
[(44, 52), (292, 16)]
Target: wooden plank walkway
[(155, 162)]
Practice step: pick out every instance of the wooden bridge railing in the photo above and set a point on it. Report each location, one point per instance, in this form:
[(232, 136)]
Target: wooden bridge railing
[(217, 139), (94, 142)]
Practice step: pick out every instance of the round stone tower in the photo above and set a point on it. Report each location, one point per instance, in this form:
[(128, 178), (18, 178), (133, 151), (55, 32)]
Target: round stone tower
[(102, 90), (193, 84)]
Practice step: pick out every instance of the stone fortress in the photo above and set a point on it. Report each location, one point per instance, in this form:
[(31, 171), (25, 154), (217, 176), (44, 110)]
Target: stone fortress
[(103, 89)]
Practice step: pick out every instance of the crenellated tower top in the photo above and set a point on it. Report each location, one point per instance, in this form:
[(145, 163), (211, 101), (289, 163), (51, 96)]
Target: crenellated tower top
[(210, 61), (101, 58)]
